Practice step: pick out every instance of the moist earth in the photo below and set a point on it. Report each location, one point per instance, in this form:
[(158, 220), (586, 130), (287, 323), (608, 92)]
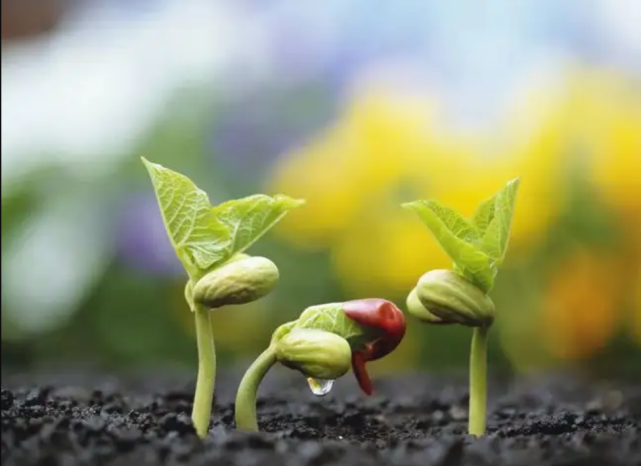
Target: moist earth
[(90, 419)]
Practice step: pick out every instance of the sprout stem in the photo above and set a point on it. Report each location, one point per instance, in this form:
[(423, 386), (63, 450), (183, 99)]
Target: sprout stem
[(201, 413), (478, 381), (246, 396)]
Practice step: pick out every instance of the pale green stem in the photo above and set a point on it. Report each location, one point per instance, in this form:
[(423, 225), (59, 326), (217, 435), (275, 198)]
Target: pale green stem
[(246, 396), (478, 381), (201, 413)]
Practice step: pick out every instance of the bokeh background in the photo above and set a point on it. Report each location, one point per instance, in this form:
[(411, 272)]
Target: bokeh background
[(356, 106)]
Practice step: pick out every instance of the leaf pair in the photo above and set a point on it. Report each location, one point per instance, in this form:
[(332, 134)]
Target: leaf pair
[(206, 236), (476, 246)]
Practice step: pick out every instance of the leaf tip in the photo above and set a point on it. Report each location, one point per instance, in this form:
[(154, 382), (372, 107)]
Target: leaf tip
[(150, 166), (288, 201), (298, 202), (409, 205)]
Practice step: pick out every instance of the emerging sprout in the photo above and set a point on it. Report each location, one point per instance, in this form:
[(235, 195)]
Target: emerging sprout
[(322, 344), (209, 241), (446, 297), (442, 297), (315, 353)]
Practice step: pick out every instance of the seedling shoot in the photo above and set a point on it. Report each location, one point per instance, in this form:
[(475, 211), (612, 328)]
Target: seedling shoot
[(477, 247), (322, 345), (210, 242)]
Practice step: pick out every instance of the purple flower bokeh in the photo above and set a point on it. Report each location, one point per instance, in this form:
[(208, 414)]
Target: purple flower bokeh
[(142, 240), (251, 132)]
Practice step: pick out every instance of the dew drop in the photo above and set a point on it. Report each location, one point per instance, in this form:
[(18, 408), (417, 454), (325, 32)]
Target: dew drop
[(320, 387)]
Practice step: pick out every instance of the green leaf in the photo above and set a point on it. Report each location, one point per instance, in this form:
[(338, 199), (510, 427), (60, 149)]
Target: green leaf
[(484, 214), (249, 218), (331, 318), (204, 236), (455, 235), (198, 238), (454, 222), (477, 247), (497, 235)]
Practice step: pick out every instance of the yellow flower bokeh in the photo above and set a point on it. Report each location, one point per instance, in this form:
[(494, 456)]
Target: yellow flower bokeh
[(580, 308), (388, 148), (385, 248), (609, 127), (342, 168)]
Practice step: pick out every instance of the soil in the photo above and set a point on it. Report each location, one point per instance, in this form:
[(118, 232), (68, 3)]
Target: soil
[(88, 419)]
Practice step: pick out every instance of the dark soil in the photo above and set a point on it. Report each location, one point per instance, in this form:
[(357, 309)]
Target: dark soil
[(412, 420)]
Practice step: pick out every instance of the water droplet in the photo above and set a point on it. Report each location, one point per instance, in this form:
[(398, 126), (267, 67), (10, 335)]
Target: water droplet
[(320, 387)]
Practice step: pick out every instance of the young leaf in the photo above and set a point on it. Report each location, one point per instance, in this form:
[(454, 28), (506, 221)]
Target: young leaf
[(446, 225), (451, 219), (198, 238), (497, 235), (332, 318), (249, 218), (484, 214)]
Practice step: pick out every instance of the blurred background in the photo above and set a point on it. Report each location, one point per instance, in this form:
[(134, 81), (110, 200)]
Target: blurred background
[(355, 108)]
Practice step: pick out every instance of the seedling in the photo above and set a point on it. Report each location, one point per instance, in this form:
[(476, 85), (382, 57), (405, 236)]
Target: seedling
[(477, 247), (209, 241), (322, 344)]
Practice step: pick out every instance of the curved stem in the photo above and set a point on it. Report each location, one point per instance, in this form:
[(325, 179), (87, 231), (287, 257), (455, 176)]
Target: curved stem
[(478, 381), (246, 396), (201, 413)]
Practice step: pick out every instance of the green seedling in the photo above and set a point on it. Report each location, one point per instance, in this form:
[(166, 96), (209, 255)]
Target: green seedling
[(209, 241), (322, 344), (477, 248)]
